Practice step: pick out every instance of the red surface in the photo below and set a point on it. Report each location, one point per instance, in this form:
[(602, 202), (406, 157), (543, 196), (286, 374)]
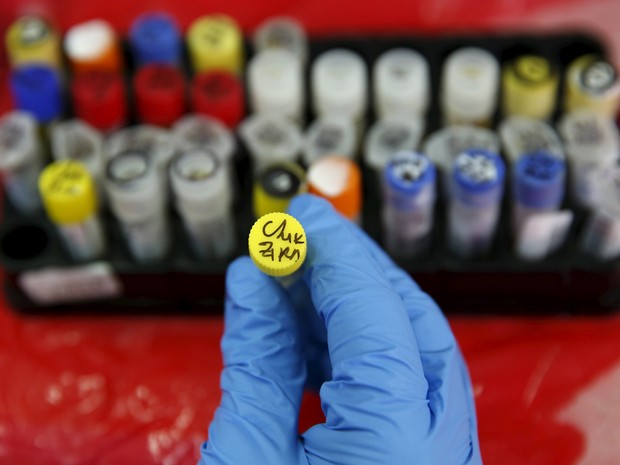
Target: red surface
[(143, 390)]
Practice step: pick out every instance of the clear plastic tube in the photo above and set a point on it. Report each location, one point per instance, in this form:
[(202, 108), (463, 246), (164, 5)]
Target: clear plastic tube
[(330, 136)]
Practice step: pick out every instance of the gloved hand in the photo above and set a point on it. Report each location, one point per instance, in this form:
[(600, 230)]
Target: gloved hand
[(397, 390)]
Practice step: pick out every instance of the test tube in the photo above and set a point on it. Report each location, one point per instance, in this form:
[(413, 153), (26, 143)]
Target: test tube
[(539, 227), (520, 135), (477, 186), (93, 46), (137, 196), (601, 236), (270, 139), (215, 43), (530, 85), (276, 186), (339, 84), (408, 204), (204, 201), (219, 94), (389, 136), (99, 99), (21, 160), (155, 38), (76, 140), (31, 39), (339, 180), (590, 140), (469, 87), (276, 84), (444, 145), (70, 201), (592, 83), (160, 94), (401, 83), (282, 33), (330, 135), (37, 90)]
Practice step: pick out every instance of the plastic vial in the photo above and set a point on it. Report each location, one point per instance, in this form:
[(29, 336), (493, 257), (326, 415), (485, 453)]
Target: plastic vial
[(530, 85), (276, 186), (477, 185), (156, 38), (520, 135), (70, 201), (21, 160), (138, 200), (31, 39), (37, 90), (539, 227), (590, 140), (389, 136), (469, 85), (271, 139), (276, 83), (408, 204), (339, 84), (219, 94), (601, 236), (401, 79), (592, 83), (76, 140), (339, 180), (215, 43), (99, 98), (93, 46), (160, 94), (203, 198), (330, 136), (282, 33)]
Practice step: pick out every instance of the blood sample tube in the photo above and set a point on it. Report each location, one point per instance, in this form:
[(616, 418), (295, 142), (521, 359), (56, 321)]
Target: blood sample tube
[(160, 94), (155, 38), (330, 135), (37, 90), (93, 45), (219, 94), (276, 186), (282, 33), (520, 135), (592, 83), (215, 43), (99, 99), (31, 39)]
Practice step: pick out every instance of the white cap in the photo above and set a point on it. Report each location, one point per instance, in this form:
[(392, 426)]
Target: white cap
[(19, 141), (76, 140), (206, 132), (88, 40), (282, 32), (443, 146), (200, 185), (134, 186), (401, 83), (270, 139), (275, 83), (389, 136), (330, 135), (339, 84), (469, 85), (521, 135), (158, 143), (589, 137)]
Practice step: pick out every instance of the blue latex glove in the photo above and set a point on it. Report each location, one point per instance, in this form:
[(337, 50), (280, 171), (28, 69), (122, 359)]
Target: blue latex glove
[(397, 390)]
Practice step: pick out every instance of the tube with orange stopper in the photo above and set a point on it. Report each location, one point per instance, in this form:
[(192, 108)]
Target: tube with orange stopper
[(339, 180), (93, 45)]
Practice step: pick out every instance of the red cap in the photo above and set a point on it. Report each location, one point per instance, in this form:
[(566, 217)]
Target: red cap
[(99, 99), (160, 94), (219, 94)]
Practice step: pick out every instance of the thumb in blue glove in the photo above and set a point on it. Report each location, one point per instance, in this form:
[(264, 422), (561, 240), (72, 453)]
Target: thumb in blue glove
[(395, 389)]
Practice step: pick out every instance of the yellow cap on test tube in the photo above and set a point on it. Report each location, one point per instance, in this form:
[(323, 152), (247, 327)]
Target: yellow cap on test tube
[(68, 192), (215, 43), (33, 40), (277, 244)]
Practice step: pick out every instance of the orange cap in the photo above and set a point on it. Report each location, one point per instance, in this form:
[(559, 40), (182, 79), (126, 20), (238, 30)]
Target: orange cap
[(338, 180), (93, 46)]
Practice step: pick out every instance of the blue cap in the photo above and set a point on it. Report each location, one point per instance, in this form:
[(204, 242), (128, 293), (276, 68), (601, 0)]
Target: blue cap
[(406, 175), (155, 38), (36, 89), (539, 180), (478, 177)]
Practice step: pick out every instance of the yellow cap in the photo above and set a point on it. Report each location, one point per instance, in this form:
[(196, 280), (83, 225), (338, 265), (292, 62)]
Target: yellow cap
[(68, 192), (32, 40), (592, 83), (215, 43), (276, 186), (277, 244), (530, 84)]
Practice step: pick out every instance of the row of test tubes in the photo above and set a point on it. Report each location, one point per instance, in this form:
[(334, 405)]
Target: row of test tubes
[(469, 93)]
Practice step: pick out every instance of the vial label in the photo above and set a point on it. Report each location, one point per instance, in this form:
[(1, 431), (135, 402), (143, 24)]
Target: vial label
[(542, 234), (602, 236), (51, 286)]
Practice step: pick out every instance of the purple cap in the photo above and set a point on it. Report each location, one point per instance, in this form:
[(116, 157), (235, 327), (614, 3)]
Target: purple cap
[(539, 180)]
